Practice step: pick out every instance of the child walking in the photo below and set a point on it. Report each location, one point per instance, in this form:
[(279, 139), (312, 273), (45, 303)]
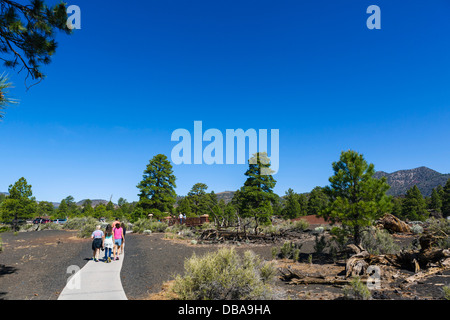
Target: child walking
[(108, 243), (118, 235)]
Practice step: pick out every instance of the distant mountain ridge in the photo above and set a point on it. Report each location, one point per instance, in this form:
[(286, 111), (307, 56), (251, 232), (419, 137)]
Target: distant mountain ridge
[(425, 178), (400, 181)]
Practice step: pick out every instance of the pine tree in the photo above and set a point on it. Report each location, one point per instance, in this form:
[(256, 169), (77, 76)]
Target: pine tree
[(397, 204), (88, 211), (414, 205), (5, 100), (303, 201), (27, 34), (435, 200), (446, 199), (157, 188), (317, 201), (357, 199), (255, 198), (292, 207), (199, 198), (20, 204)]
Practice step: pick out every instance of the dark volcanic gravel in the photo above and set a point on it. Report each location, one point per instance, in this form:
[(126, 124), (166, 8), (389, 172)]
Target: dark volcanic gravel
[(33, 265), (151, 260)]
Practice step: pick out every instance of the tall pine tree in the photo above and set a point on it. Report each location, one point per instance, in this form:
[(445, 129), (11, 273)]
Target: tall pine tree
[(435, 200), (292, 206), (414, 205), (157, 188), (255, 198), (357, 198)]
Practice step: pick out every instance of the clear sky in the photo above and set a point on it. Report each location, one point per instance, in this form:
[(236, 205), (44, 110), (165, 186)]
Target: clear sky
[(138, 70)]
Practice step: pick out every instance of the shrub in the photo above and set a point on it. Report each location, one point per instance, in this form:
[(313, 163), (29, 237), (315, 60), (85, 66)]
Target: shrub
[(290, 250), (416, 229), (4, 228), (440, 228), (446, 290), (84, 225), (300, 225), (339, 237), (145, 224), (224, 275), (296, 226), (49, 226), (319, 243), (379, 242), (357, 290)]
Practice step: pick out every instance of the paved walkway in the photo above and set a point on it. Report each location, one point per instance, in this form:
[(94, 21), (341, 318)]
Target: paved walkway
[(96, 281)]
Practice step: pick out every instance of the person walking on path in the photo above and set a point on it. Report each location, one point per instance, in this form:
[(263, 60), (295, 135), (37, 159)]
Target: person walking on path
[(108, 243), (124, 231), (97, 242), (118, 236)]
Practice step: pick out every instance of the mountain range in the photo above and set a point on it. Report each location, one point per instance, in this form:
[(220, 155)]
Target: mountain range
[(425, 178), (400, 181)]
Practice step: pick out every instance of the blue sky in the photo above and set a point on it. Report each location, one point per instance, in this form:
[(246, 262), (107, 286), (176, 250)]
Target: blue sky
[(137, 71)]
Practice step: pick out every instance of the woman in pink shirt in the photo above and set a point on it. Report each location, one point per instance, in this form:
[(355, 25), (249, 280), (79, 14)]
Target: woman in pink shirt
[(117, 234)]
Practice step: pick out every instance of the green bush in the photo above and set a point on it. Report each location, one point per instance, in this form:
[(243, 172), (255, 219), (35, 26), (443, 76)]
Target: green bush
[(146, 224), (290, 250), (297, 226), (339, 238), (440, 228), (84, 225), (357, 290), (225, 275), (446, 290), (379, 242)]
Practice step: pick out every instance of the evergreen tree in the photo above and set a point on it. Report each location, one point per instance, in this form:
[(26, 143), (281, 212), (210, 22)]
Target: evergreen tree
[(63, 210), (199, 199), (46, 209), (5, 100), (435, 200), (88, 211), (72, 208), (255, 198), (446, 199), (20, 204), (317, 201), (27, 34), (292, 207), (101, 212), (414, 206), (397, 204), (125, 209), (157, 188), (303, 201), (185, 207), (357, 199)]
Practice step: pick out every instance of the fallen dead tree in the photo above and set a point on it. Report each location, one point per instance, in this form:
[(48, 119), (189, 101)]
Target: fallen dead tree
[(413, 260), (217, 235), (297, 277)]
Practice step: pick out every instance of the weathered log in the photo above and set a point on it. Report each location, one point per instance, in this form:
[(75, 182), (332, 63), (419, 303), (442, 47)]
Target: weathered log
[(410, 260), (357, 264), (296, 277), (394, 224)]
